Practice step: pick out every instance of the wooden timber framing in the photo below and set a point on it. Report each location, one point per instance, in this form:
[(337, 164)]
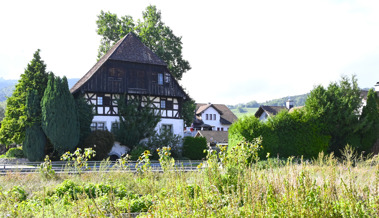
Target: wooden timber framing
[(131, 69)]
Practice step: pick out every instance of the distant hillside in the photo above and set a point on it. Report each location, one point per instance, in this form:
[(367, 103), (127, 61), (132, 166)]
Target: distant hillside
[(251, 107), (7, 87), (299, 100)]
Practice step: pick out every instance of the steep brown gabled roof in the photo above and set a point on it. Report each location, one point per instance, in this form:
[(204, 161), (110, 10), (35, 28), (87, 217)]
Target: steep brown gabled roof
[(218, 137), (227, 116), (129, 49), (270, 110)]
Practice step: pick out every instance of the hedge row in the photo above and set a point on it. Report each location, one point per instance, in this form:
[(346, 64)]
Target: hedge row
[(286, 134)]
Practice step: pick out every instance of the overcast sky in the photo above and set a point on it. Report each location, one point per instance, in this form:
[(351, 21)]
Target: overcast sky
[(239, 51)]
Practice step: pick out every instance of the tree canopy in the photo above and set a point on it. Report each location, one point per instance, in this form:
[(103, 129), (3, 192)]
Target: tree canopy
[(137, 120), (59, 115), (337, 107), (151, 31), (14, 123)]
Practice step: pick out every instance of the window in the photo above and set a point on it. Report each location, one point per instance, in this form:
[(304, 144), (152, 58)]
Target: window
[(206, 116), (167, 78), (160, 78), (163, 103), (93, 126), (99, 100), (222, 129), (98, 126), (218, 128), (166, 127), (115, 125), (214, 116)]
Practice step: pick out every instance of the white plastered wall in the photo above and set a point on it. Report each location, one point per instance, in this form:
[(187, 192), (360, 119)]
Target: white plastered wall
[(214, 122), (177, 124)]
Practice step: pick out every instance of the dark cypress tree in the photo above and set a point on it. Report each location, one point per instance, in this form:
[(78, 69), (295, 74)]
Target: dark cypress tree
[(85, 116), (59, 115), (35, 139), (370, 122)]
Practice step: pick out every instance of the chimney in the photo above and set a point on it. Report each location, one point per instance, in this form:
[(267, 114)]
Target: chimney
[(289, 104)]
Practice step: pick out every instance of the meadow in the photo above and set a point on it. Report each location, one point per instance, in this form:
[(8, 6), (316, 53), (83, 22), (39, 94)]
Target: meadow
[(225, 185)]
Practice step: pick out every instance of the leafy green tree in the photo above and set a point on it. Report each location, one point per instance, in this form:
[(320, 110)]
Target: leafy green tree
[(137, 121), (370, 122), (14, 124), (151, 31), (188, 111), (337, 109), (59, 115), (35, 139)]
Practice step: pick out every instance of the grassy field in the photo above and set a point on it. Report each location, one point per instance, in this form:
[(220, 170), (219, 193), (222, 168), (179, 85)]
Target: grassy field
[(224, 187), (248, 111)]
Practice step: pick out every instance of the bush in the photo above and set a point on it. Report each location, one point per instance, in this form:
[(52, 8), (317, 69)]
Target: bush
[(286, 134), (136, 152), (193, 148), (164, 139), (15, 152), (100, 141)]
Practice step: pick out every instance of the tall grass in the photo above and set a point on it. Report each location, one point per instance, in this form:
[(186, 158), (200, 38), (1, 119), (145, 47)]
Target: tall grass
[(223, 187)]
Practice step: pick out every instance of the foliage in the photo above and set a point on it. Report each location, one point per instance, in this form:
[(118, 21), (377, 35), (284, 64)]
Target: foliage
[(165, 159), (136, 152), (34, 78), (137, 121), (286, 134), (337, 110), (143, 163), (325, 187), (101, 142), (164, 138), (59, 115), (85, 117), (15, 153), (46, 169), (79, 160), (151, 31), (369, 121), (193, 148), (188, 111), (35, 139), (3, 106)]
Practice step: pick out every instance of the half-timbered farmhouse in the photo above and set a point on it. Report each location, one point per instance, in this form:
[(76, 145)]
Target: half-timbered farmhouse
[(131, 68)]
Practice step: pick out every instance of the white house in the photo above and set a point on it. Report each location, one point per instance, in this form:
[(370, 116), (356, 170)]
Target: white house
[(131, 69), (214, 117), (264, 112)]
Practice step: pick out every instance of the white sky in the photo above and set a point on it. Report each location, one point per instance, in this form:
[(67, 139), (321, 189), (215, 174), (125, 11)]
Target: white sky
[(239, 51)]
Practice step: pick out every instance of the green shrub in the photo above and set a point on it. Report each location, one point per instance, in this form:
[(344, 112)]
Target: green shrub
[(15, 152), (286, 134), (100, 141), (193, 148), (164, 139), (136, 152)]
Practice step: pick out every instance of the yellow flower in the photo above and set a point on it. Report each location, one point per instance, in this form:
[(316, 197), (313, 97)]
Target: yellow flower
[(158, 150), (169, 148)]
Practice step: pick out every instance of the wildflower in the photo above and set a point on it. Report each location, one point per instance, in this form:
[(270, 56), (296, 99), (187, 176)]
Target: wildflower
[(158, 150)]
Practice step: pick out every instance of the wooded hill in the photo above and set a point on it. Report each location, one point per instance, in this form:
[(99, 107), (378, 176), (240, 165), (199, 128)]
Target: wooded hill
[(7, 87)]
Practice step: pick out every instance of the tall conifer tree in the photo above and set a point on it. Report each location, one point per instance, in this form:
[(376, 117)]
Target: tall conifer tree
[(14, 124), (59, 115), (35, 139), (370, 122)]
